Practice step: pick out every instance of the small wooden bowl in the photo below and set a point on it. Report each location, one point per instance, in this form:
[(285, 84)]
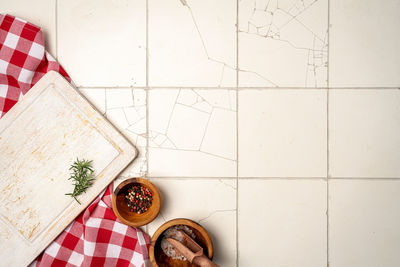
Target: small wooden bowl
[(121, 208), (160, 259)]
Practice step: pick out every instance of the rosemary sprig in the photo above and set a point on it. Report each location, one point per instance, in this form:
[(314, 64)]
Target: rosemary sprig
[(82, 174)]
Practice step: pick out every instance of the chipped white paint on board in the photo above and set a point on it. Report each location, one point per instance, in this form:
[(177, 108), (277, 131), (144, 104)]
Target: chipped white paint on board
[(39, 139)]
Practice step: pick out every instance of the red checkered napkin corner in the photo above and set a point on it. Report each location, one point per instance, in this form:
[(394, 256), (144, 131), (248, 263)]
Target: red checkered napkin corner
[(97, 238), (23, 60)]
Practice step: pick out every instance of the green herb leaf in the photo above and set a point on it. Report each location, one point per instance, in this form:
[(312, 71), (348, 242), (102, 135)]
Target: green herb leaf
[(82, 175)]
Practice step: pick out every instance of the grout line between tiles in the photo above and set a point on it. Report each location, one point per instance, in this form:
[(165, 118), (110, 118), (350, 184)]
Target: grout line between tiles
[(234, 178), (237, 133), (237, 88), (237, 43), (206, 87), (327, 177), (327, 141), (366, 178), (190, 178), (111, 87), (147, 43), (147, 91), (147, 134), (364, 88)]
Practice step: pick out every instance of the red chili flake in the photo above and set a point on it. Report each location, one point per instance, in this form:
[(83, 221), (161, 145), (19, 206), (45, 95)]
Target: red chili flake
[(138, 199)]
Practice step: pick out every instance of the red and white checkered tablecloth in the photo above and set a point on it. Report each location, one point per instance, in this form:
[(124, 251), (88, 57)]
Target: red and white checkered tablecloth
[(23, 60), (96, 237)]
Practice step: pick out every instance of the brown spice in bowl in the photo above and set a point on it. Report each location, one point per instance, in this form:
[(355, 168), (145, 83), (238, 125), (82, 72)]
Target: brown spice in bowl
[(138, 198)]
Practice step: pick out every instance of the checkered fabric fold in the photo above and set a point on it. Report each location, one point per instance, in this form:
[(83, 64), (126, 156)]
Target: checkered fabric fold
[(96, 237), (23, 60)]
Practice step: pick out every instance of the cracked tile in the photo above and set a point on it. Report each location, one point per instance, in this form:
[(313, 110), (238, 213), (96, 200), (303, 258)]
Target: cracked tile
[(282, 133), (192, 132), (97, 97), (364, 43), (126, 109), (195, 48), (364, 128), (282, 223), (210, 202), (117, 98), (364, 221), (109, 49), (283, 43)]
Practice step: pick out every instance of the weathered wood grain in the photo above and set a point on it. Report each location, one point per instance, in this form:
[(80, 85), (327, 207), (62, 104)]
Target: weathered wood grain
[(40, 137)]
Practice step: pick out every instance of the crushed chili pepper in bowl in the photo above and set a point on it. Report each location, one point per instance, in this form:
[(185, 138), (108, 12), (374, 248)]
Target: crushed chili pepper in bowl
[(138, 198), (136, 202)]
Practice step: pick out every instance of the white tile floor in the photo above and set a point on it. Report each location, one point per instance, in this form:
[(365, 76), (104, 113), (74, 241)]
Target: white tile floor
[(273, 123)]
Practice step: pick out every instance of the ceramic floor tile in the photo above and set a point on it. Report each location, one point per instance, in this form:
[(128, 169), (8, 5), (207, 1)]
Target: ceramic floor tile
[(109, 47), (126, 109), (282, 223), (283, 43), (363, 133), (42, 13), (210, 202), (282, 133), (193, 43), (364, 221), (192, 132), (97, 97), (364, 43)]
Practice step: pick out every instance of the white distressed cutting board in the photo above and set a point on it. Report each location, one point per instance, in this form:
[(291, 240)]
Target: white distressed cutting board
[(40, 137)]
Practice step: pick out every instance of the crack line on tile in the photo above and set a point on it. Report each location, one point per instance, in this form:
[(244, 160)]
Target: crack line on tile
[(219, 61), (214, 212), (172, 112), (194, 150), (301, 23), (121, 117), (203, 43), (205, 130), (259, 75), (153, 135), (226, 184), (272, 31), (327, 138), (194, 108)]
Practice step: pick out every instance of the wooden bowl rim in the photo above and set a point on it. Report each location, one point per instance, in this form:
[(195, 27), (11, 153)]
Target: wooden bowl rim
[(156, 201), (179, 221)]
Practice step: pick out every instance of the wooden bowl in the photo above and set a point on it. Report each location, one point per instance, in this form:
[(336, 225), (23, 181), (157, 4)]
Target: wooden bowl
[(121, 208), (159, 258)]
